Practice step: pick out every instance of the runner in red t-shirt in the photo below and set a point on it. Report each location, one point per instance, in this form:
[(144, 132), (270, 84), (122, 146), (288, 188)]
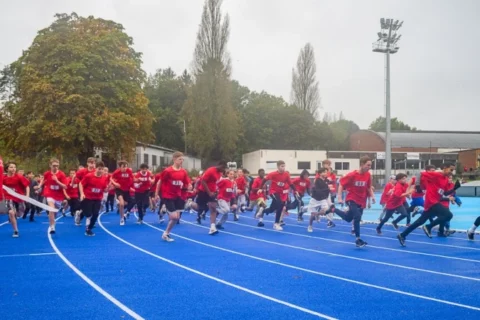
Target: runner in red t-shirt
[(358, 185), (279, 188), (207, 191), (122, 180), (173, 179), (16, 182), (143, 181), (54, 181), (302, 185), (92, 187), (80, 174), (242, 185), (437, 188), (395, 201), (226, 197), (258, 197), (71, 193)]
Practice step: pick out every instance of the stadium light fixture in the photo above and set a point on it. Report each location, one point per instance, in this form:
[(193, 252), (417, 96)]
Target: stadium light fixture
[(387, 44)]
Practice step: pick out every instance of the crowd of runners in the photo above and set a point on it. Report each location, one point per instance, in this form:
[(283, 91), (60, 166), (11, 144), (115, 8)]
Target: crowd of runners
[(221, 191)]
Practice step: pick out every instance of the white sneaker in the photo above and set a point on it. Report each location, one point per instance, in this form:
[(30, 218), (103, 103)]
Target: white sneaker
[(51, 229), (162, 220), (122, 222), (213, 230), (310, 229), (277, 227), (77, 218), (167, 238)]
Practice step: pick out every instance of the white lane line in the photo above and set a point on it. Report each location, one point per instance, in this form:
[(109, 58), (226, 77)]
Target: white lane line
[(91, 283), (334, 254), (255, 293), (4, 223), (351, 243), (325, 274), (380, 237), (27, 255)]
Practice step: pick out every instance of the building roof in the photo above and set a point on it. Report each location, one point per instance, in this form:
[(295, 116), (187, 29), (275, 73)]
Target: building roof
[(142, 144), (434, 139)]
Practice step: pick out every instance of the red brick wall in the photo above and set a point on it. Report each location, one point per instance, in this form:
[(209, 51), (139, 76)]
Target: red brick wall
[(366, 141), (468, 158)]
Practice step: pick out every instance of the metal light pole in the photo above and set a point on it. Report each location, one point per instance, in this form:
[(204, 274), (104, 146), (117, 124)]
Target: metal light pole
[(387, 44), (185, 135)]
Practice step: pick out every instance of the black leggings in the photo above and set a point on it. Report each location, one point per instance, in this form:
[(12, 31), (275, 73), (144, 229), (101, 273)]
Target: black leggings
[(74, 204), (354, 213), (277, 206), (442, 213), (142, 200), (91, 209), (477, 222), (110, 202), (401, 210)]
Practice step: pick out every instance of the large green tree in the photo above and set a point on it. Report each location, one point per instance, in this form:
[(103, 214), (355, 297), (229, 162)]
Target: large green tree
[(212, 122), (167, 94), (380, 125), (77, 87)]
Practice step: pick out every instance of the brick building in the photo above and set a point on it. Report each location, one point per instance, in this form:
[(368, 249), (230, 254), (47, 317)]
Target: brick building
[(469, 159)]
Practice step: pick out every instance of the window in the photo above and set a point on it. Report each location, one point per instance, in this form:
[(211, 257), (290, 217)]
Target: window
[(342, 165), (271, 165), (303, 165), (154, 160), (338, 166), (145, 158)]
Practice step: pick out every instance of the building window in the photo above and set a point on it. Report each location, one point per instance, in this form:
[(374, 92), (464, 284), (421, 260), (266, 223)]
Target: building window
[(338, 166), (303, 165), (342, 165), (154, 160), (271, 165), (145, 158)]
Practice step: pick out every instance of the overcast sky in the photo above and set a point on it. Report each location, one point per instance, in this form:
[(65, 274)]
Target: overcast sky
[(434, 76)]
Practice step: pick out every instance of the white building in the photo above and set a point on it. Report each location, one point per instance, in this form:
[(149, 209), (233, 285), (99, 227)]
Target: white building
[(157, 156)]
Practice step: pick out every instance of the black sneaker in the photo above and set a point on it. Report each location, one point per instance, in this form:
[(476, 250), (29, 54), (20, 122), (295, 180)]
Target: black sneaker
[(401, 239), (235, 217), (282, 223), (395, 225), (379, 231), (89, 233), (178, 221), (204, 215), (360, 243), (199, 221), (448, 233), (260, 224), (470, 235), (427, 231), (299, 218), (15, 234), (31, 220), (219, 227)]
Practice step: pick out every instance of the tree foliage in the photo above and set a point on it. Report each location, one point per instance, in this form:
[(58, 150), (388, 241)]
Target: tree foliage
[(78, 86), (380, 125), (305, 93), (212, 122)]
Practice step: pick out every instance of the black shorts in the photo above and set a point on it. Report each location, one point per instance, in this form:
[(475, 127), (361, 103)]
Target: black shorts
[(151, 194), (124, 194), (203, 198), (173, 205)]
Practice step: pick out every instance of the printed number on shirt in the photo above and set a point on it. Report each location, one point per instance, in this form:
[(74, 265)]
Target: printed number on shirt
[(177, 183), (229, 190), (360, 184), (285, 191), (96, 190), (280, 184), (125, 175), (55, 187)]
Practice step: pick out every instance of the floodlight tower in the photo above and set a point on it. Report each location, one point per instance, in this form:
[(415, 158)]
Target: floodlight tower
[(387, 44)]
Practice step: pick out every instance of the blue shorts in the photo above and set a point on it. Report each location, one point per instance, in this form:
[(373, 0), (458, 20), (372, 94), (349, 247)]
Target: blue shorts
[(417, 202)]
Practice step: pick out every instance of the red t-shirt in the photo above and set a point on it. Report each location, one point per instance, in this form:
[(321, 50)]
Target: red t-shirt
[(358, 186), (173, 181), (386, 193), (143, 185), (416, 194), (52, 189), (301, 185), (211, 176), (155, 182), (93, 186), (125, 179), (80, 174), (396, 200), (241, 185), (280, 184), (257, 183), (436, 184), (72, 189), (17, 183), (226, 190), (333, 185)]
